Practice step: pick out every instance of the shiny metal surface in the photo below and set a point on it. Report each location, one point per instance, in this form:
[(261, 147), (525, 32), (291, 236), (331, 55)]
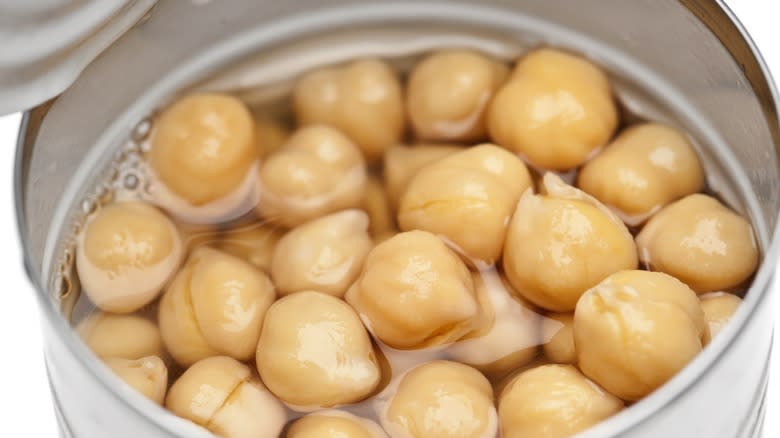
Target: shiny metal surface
[(692, 53)]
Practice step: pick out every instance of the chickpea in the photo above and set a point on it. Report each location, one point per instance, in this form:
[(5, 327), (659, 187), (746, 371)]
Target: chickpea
[(126, 253), (219, 393), (509, 336), (325, 254), (363, 99), (314, 352), (637, 329), (700, 241), (555, 110), (448, 94), (558, 338), (318, 171), (562, 243), (334, 424), (440, 399), (204, 155), (121, 336), (381, 219), (147, 375), (402, 287), (254, 243), (214, 306), (270, 135), (553, 401), (197, 235), (401, 163), (472, 209), (718, 309), (646, 167)]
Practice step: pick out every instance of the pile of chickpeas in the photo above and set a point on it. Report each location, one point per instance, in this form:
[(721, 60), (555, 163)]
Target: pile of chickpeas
[(408, 262)]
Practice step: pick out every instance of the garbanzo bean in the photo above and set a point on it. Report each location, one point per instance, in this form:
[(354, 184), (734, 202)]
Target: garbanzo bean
[(562, 243), (718, 309), (467, 198), (646, 167), (402, 288), (401, 163), (121, 336), (334, 424), (214, 306), (449, 92), (556, 110), (254, 243), (363, 99), (219, 393), (637, 329), (314, 352), (700, 241), (325, 254), (126, 253), (440, 399), (553, 401), (558, 338), (381, 219), (147, 375), (270, 135), (318, 171)]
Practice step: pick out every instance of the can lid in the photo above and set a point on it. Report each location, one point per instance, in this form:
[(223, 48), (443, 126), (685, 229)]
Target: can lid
[(47, 43)]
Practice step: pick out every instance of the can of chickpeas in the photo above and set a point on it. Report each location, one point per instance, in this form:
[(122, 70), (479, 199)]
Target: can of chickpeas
[(336, 218)]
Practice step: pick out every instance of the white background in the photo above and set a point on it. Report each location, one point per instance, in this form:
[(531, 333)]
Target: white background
[(25, 402)]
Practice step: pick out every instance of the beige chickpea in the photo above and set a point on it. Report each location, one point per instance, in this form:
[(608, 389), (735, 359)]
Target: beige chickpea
[(219, 393), (448, 94), (643, 169), (126, 253), (363, 99), (270, 135), (468, 199), (401, 163), (314, 352), (402, 287), (318, 171), (440, 399), (562, 243), (700, 241), (214, 306), (147, 375), (553, 401), (381, 219), (254, 243), (556, 110), (558, 338), (121, 336), (718, 309), (635, 330), (334, 424), (509, 336), (325, 254), (203, 152)]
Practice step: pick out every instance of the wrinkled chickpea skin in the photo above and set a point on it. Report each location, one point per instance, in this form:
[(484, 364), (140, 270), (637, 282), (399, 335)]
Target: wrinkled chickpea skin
[(363, 99), (318, 171), (637, 329), (561, 243), (214, 306), (325, 254), (147, 375), (415, 270), (126, 253), (121, 336), (558, 338), (314, 352), (401, 163), (448, 94), (220, 394), (718, 309), (556, 109), (472, 210), (700, 241), (440, 399), (644, 168), (334, 424), (553, 401)]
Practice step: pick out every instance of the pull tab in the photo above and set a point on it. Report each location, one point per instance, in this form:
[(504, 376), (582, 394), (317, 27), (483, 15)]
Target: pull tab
[(47, 44)]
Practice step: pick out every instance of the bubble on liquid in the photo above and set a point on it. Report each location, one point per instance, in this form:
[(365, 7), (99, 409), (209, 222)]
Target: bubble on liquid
[(63, 286), (141, 131), (67, 259), (105, 195), (88, 206), (131, 181)]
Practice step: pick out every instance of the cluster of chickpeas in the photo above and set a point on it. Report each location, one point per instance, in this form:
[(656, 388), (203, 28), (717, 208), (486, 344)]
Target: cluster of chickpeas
[(335, 282)]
